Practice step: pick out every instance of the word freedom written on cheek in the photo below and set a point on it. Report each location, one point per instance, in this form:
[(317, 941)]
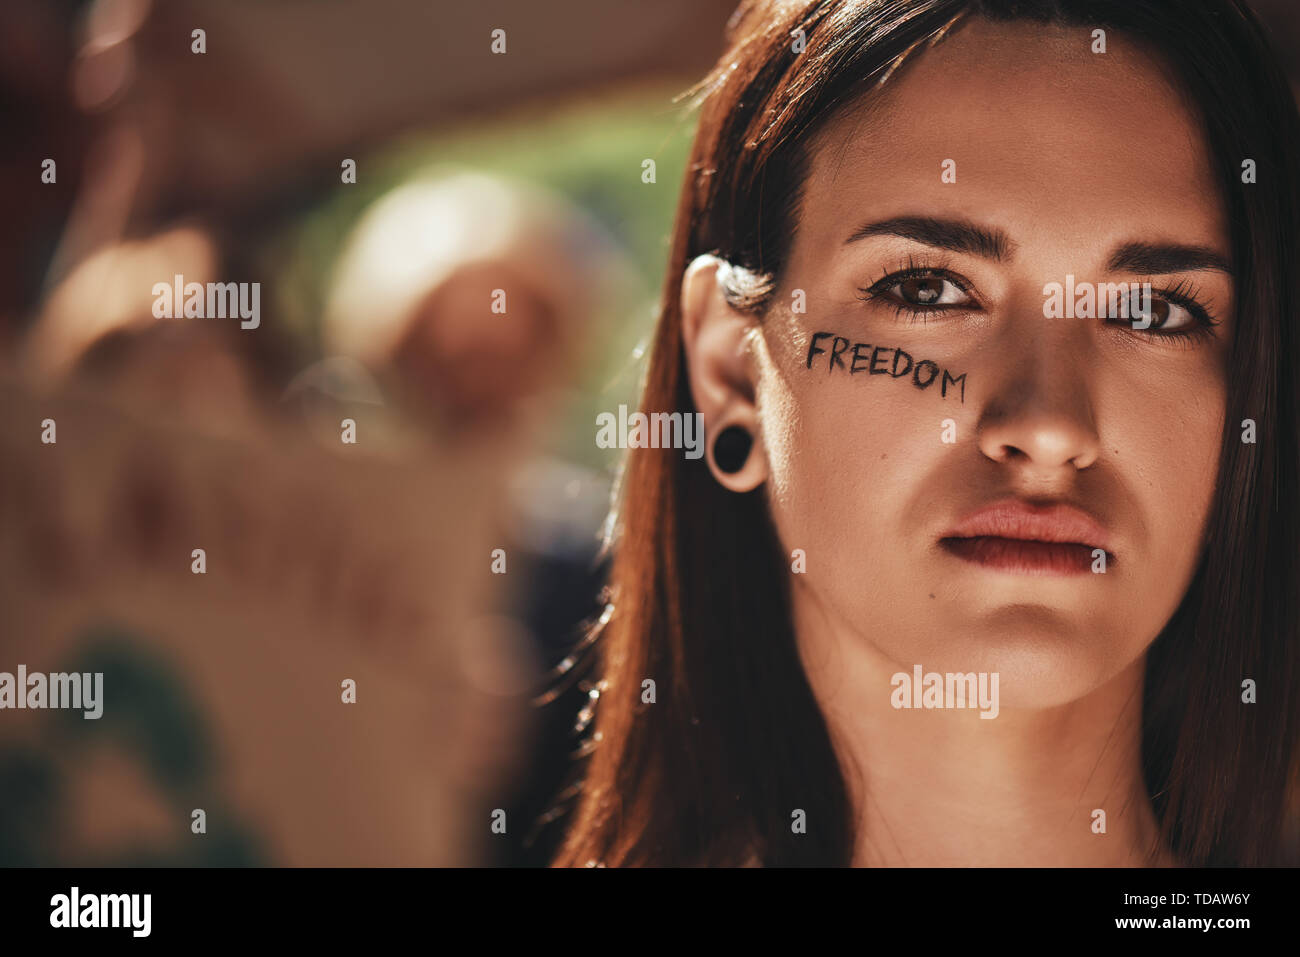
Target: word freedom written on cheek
[(877, 361)]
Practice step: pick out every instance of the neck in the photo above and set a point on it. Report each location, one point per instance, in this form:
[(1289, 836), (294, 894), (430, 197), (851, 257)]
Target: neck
[(947, 788)]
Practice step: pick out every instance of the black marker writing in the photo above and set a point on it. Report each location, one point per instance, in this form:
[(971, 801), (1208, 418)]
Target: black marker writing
[(884, 360)]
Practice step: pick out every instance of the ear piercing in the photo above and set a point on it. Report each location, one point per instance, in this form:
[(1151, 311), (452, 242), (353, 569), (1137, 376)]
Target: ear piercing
[(731, 448)]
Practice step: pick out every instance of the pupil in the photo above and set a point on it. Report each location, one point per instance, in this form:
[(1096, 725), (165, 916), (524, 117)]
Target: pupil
[(1157, 313), (923, 291)]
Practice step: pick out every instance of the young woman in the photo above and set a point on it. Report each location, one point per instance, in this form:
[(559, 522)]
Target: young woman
[(989, 308)]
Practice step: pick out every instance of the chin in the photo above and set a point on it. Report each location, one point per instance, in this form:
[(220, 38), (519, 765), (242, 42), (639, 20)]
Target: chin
[(1045, 656)]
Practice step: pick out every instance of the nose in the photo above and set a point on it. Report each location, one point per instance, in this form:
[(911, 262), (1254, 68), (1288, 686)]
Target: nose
[(1040, 416)]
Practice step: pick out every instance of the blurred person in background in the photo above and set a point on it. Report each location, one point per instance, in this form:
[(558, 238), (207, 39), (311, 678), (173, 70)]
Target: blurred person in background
[(98, 330), (464, 294), (217, 746)]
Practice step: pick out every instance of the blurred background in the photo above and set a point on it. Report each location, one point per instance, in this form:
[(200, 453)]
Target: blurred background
[(457, 218)]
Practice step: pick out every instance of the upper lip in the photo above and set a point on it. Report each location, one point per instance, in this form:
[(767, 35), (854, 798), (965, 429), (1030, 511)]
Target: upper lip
[(1018, 519)]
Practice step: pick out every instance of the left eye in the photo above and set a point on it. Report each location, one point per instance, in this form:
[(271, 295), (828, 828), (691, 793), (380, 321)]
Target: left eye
[(928, 291), (1162, 314)]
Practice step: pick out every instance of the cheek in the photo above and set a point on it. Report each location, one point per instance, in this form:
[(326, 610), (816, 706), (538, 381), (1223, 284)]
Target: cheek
[(845, 452), (1166, 444)]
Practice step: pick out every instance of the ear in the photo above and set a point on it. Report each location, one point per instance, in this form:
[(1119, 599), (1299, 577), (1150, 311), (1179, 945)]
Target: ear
[(720, 368)]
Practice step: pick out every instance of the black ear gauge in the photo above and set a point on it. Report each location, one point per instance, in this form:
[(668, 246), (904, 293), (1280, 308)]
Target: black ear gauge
[(731, 448)]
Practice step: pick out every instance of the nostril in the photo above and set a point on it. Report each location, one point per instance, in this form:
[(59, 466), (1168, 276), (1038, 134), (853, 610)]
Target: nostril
[(1011, 452), (1041, 441)]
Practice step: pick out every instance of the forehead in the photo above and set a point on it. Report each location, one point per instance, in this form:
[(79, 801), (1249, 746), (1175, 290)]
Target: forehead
[(1051, 141)]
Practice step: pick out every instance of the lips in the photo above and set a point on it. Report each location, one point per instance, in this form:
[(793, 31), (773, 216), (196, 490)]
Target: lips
[(1018, 537)]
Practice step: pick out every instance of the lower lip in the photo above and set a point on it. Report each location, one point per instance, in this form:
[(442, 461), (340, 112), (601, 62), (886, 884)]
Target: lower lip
[(1023, 557)]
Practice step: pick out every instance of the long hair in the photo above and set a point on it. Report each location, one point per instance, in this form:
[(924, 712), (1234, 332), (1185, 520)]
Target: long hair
[(709, 772)]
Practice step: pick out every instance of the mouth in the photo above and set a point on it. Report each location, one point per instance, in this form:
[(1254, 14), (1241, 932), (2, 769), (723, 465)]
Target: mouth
[(1016, 537)]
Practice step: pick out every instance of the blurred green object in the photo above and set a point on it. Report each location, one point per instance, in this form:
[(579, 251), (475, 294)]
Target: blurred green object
[(156, 721)]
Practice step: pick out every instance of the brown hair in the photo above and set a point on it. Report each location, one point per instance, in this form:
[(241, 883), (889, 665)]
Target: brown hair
[(710, 772)]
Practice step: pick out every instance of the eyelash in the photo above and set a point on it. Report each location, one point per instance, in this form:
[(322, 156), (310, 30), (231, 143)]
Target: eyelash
[(1183, 294)]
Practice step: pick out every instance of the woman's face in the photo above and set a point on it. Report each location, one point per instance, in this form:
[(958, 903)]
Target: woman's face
[(930, 375)]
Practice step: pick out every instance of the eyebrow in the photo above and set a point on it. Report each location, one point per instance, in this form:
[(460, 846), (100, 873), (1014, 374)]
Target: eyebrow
[(1160, 258), (962, 236), (956, 235)]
